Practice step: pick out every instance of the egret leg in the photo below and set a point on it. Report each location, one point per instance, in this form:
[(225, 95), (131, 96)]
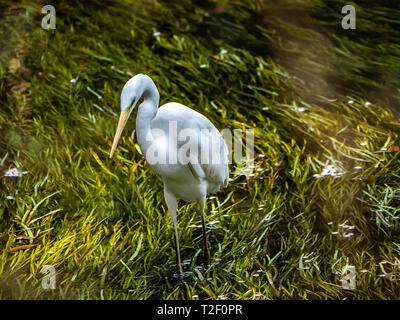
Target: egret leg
[(172, 205), (203, 222)]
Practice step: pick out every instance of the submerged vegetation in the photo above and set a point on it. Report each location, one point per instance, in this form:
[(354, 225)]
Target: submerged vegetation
[(325, 191)]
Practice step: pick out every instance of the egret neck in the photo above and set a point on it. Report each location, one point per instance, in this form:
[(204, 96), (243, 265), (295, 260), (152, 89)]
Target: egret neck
[(146, 112)]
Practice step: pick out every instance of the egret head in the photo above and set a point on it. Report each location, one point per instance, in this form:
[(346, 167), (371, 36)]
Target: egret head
[(131, 93)]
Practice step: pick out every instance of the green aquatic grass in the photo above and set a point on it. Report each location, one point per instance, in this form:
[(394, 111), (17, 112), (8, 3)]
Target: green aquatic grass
[(103, 225)]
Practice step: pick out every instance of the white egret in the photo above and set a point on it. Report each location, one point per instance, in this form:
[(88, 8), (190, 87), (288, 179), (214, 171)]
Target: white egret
[(189, 169)]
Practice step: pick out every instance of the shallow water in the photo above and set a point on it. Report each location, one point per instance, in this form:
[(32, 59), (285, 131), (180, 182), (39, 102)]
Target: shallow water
[(113, 210)]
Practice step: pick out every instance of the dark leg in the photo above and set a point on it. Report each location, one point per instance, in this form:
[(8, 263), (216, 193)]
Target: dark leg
[(203, 222), (177, 250), (172, 204)]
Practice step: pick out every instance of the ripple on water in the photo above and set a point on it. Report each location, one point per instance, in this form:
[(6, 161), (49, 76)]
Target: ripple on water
[(186, 262), (348, 235), (14, 172), (193, 226), (178, 275)]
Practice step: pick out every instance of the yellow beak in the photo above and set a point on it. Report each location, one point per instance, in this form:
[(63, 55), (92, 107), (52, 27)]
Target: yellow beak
[(121, 125)]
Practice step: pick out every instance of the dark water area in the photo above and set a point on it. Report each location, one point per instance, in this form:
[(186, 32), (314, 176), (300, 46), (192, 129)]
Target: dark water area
[(322, 195), (307, 38)]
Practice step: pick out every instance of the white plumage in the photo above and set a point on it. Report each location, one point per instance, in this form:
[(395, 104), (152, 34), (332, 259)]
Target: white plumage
[(179, 144)]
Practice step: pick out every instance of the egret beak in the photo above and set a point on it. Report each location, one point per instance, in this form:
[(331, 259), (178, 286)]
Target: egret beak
[(121, 125)]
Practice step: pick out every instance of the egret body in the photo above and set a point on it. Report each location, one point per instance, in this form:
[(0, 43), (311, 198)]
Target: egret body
[(189, 169)]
